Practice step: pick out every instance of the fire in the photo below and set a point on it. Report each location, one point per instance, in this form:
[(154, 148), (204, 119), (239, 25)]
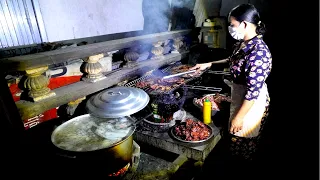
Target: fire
[(121, 171)]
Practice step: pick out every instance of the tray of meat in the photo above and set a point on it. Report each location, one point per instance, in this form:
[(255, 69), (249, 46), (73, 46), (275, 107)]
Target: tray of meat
[(191, 131), (215, 100), (158, 85)]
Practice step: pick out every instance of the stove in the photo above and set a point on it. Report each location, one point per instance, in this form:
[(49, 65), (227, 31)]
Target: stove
[(156, 133), (164, 141), (121, 172), (128, 172)]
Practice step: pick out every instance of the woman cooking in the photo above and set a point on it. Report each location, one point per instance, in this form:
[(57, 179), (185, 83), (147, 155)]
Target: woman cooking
[(250, 65)]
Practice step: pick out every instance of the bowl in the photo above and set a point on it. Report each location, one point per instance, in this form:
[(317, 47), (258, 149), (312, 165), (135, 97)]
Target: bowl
[(191, 142)]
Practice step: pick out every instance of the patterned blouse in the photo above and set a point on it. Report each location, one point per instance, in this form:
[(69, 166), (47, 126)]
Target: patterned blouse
[(250, 65)]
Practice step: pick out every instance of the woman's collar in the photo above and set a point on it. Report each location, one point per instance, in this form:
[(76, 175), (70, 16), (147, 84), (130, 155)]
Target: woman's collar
[(249, 44)]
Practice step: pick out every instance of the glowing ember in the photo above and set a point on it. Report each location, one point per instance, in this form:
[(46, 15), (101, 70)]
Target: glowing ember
[(121, 171)]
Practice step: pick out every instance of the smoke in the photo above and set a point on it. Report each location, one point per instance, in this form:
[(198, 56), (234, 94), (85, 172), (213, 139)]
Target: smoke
[(183, 3), (158, 13)]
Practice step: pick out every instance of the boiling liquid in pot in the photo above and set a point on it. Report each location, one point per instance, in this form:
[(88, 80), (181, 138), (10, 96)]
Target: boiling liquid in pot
[(90, 133)]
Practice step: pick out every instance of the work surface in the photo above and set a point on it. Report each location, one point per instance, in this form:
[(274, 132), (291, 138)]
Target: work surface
[(151, 167)]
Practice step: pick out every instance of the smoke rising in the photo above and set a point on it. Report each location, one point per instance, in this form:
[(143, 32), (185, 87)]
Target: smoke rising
[(158, 13)]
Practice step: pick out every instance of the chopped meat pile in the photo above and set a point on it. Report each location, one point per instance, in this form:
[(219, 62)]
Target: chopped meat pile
[(192, 131), (214, 99), (218, 98)]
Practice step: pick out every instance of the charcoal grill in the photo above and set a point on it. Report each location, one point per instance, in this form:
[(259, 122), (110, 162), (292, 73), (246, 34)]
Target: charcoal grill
[(165, 70), (162, 98)]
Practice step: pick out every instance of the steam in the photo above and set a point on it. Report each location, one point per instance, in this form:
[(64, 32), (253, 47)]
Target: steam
[(182, 3)]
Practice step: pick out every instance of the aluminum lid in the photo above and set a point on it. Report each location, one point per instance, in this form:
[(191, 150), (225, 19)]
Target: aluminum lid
[(117, 102)]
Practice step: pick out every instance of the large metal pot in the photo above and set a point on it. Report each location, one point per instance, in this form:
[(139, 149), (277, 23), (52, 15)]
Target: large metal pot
[(115, 155), (102, 135)]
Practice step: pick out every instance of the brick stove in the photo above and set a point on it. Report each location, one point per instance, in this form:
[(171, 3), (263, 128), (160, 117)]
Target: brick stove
[(128, 172), (163, 141)]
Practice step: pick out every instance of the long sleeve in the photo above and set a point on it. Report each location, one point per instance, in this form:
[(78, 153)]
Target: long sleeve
[(257, 71)]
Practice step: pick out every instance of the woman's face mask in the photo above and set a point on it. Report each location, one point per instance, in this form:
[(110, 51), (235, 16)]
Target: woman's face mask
[(236, 32)]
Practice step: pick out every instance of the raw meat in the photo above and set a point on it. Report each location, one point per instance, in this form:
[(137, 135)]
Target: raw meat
[(214, 99)]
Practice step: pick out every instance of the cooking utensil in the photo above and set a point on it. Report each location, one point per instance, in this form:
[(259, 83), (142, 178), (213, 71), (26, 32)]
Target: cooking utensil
[(161, 73), (179, 74), (227, 82), (76, 141), (156, 127), (203, 88), (219, 72), (78, 133), (117, 102)]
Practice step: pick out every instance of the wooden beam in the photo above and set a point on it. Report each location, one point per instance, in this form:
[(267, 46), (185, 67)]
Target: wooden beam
[(80, 89), (21, 63)]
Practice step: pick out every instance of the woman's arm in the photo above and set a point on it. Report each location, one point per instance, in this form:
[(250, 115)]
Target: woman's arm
[(237, 121), (244, 109)]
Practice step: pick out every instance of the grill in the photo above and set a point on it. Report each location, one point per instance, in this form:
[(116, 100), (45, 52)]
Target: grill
[(163, 72)]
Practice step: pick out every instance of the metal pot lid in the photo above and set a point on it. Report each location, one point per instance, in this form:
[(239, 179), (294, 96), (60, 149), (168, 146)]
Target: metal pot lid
[(89, 133), (117, 102)]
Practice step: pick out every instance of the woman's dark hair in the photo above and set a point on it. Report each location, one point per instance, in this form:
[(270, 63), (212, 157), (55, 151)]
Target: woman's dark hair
[(247, 12)]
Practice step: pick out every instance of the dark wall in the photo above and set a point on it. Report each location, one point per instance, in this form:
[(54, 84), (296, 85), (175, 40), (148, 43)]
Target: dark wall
[(11, 131)]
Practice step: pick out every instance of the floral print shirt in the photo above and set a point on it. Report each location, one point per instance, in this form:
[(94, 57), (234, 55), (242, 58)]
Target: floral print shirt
[(250, 65)]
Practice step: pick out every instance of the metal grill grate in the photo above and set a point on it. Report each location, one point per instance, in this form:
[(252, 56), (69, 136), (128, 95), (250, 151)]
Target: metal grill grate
[(157, 92)]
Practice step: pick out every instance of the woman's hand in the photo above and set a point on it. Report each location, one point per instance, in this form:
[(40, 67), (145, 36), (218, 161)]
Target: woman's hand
[(201, 67), (236, 125)]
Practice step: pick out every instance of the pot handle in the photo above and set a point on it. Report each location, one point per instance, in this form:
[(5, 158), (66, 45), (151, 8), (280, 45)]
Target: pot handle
[(136, 155)]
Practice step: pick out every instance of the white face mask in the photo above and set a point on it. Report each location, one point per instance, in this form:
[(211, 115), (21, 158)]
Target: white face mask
[(235, 33)]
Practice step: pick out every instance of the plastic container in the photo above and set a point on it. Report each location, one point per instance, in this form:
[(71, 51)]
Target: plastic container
[(207, 111)]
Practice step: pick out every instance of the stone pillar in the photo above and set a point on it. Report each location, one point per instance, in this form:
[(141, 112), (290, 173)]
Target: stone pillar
[(157, 50), (92, 69), (166, 47), (130, 58), (37, 84), (177, 44), (72, 106)]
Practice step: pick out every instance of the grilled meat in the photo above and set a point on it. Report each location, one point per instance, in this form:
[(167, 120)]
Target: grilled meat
[(192, 131)]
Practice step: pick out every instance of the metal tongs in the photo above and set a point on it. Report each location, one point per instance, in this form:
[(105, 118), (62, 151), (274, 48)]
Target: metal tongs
[(214, 89), (219, 72), (179, 74)]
